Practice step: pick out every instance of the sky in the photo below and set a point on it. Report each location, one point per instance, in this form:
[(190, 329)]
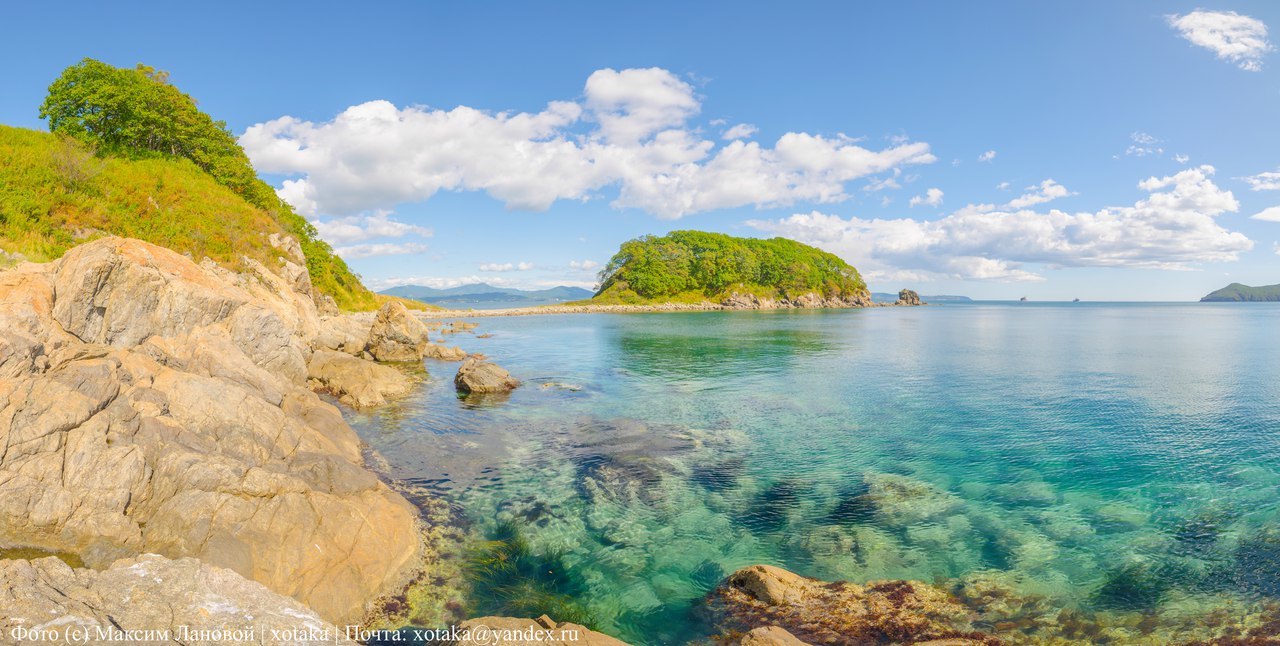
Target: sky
[(1093, 150)]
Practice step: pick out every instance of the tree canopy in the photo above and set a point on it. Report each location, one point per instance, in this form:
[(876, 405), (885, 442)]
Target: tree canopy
[(138, 113), (713, 263)]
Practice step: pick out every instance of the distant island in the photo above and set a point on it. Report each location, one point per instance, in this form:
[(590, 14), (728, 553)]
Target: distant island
[(701, 267), (886, 297), (1236, 292), (485, 296)]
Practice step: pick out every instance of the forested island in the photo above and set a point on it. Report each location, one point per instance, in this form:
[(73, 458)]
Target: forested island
[(1236, 292), (698, 266)]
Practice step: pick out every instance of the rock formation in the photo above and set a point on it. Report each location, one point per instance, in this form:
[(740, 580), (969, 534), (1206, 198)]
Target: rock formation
[(151, 600), (479, 376), (908, 297), (811, 611), (736, 300), (153, 405), (507, 631), (396, 335), (355, 382)]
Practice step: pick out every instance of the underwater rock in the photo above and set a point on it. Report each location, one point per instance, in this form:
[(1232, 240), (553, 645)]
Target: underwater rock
[(901, 501), (1257, 562), (772, 508), (478, 376), (812, 611), (770, 636)]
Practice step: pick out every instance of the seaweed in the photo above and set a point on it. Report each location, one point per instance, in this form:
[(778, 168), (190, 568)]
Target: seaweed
[(510, 579)]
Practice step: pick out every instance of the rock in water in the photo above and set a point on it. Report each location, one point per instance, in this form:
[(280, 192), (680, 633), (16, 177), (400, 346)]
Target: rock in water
[(507, 631), (443, 353), (137, 599), (478, 376), (152, 405), (812, 611), (908, 297), (770, 636), (396, 335), (355, 382)]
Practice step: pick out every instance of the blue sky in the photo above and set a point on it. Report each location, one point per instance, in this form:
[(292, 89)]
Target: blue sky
[(1127, 138)]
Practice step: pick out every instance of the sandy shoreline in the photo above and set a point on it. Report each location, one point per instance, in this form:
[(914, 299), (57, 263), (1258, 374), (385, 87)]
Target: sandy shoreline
[(609, 309)]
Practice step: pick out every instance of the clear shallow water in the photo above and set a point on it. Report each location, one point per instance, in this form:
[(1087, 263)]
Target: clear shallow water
[(1111, 458)]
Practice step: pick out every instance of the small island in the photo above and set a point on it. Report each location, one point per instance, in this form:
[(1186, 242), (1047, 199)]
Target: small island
[(1238, 293)]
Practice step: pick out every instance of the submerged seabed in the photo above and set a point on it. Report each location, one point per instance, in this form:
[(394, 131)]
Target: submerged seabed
[(1083, 472)]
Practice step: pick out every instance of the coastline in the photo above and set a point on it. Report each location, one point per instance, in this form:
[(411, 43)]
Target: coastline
[(624, 309)]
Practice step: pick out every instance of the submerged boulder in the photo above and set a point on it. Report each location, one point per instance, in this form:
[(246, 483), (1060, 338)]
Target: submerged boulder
[(812, 611), (149, 599), (479, 376), (512, 631), (396, 335)]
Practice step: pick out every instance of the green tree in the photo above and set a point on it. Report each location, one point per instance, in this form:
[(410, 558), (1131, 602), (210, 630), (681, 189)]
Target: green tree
[(139, 113)]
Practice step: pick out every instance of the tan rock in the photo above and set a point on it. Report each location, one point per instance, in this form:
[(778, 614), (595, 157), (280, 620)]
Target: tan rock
[(396, 335), (479, 376), (354, 381), (770, 636), (510, 631), (172, 416), (443, 353), (152, 599)]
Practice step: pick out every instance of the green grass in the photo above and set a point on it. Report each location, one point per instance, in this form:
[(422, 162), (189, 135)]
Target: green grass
[(55, 194)]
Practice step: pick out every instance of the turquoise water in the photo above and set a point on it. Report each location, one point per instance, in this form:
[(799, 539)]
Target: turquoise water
[(1108, 458)]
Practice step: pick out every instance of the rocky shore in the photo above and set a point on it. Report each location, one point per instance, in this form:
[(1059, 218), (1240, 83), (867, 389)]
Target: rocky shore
[(735, 302)]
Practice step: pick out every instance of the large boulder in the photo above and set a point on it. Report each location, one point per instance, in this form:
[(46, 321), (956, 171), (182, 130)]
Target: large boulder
[(817, 612), (908, 297), (152, 600), (355, 382), (480, 376), (149, 404), (440, 352), (396, 335)]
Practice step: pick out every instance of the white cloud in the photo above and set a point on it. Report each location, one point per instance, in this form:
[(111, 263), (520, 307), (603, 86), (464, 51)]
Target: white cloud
[(1233, 37), (1268, 181), (357, 228), (1003, 186), (631, 131), (585, 284), (583, 265), (740, 131), (1174, 227), (506, 266), (931, 197), (987, 156), (1269, 214), (437, 282), (370, 250), (1045, 191), (1143, 145), (1181, 158), (883, 183)]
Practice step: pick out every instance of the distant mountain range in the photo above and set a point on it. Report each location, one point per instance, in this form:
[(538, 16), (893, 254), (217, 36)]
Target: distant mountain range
[(485, 296), (1235, 292), (884, 297)]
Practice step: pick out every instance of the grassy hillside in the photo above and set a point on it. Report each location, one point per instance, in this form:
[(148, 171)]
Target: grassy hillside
[(1238, 292), (692, 266), (55, 193)]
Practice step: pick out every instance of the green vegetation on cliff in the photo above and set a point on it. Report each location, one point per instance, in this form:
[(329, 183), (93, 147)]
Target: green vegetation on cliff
[(690, 266), (1235, 292), (132, 155)]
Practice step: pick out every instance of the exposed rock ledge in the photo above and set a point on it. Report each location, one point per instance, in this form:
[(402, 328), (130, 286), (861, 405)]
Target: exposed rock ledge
[(153, 405), (150, 600)]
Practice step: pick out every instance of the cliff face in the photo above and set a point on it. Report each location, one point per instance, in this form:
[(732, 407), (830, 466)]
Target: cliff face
[(154, 405)]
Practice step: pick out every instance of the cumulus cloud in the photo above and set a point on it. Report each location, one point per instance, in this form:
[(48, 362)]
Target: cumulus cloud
[(1268, 181), (1143, 145), (931, 197), (370, 250), (1174, 227), (437, 282), (1045, 191), (631, 131), (1231, 36), (987, 156), (740, 131), (506, 266), (357, 228), (583, 265), (1181, 158), (1270, 214)]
